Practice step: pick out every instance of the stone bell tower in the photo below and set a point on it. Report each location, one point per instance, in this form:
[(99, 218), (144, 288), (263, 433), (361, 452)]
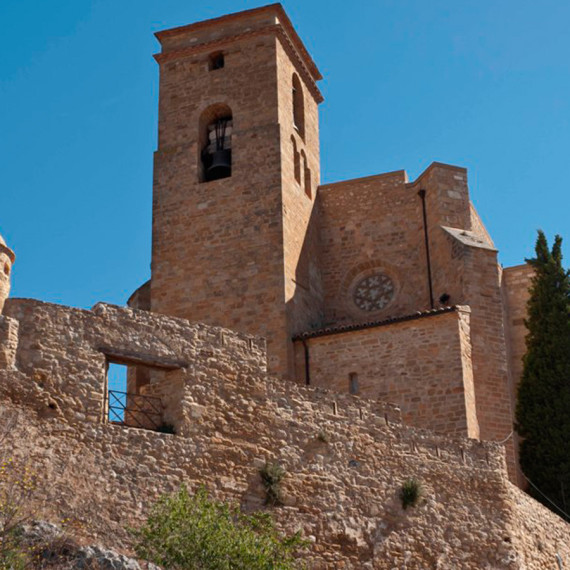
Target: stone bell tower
[(7, 259), (235, 179)]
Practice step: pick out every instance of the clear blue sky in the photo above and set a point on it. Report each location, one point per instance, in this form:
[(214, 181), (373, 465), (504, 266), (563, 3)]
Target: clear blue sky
[(479, 83)]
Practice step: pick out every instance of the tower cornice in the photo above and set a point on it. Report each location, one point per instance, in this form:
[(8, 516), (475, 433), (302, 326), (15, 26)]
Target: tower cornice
[(267, 20)]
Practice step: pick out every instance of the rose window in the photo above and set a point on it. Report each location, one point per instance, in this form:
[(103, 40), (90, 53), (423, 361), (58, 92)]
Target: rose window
[(374, 292)]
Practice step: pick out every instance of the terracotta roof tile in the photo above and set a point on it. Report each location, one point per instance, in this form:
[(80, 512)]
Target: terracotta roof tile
[(326, 331)]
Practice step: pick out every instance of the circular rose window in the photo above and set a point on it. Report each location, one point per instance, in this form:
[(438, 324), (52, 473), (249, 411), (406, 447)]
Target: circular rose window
[(373, 292)]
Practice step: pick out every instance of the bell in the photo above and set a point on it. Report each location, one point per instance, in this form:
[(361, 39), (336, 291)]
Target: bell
[(221, 166)]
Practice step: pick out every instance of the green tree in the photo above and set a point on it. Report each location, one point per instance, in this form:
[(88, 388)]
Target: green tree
[(196, 532), (543, 404)]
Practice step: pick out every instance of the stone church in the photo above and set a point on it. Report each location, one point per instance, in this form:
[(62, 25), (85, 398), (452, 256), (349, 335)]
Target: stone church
[(357, 334), (380, 286)]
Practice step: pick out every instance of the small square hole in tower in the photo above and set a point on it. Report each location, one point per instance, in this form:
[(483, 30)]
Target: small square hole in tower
[(216, 61)]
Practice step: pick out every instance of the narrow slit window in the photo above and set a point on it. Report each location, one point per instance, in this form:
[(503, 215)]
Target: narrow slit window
[(353, 383), (296, 161), (306, 175)]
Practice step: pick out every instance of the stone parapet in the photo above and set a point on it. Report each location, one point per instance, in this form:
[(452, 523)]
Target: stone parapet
[(8, 341)]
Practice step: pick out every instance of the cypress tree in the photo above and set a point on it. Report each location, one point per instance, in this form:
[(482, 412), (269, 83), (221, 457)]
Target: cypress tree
[(543, 403)]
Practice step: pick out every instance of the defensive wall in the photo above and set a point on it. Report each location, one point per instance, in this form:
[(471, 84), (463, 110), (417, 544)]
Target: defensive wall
[(346, 457)]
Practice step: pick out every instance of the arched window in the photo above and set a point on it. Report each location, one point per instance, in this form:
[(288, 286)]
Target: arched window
[(215, 161), (306, 175), (296, 161), (298, 106)]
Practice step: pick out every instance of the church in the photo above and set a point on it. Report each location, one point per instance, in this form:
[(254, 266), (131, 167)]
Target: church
[(382, 287)]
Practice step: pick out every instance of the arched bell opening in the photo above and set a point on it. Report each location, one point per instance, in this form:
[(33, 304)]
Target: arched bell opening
[(298, 106), (215, 161)]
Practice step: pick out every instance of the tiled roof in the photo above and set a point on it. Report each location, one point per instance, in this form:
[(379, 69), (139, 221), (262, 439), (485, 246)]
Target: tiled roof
[(371, 324)]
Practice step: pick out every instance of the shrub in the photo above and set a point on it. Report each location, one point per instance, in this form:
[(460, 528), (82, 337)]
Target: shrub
[(272, 474), (410, 493), (184, 531), (17, 490), (323, 436)]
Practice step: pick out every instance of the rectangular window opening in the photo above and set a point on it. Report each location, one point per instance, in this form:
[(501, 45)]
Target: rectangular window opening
[(353, 383), (131, 396)]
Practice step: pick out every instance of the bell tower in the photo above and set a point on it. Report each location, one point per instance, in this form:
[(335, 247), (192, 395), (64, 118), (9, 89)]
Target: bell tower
[(236, 171)]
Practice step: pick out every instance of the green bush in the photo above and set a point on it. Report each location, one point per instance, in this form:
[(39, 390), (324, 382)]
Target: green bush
[(272, 474), (323, 436), (18, 485), (196, 532), (410, 493)]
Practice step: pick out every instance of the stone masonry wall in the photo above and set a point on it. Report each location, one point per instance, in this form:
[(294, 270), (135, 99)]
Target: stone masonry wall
[(423, 365), (371, 225), (515, 283), (303, 286), (65, 352), (465, 266), (490, 366), (218, 246), (345, 457), (6, 261)]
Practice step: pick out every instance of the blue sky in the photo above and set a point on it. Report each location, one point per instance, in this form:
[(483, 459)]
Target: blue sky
[(483, 84)]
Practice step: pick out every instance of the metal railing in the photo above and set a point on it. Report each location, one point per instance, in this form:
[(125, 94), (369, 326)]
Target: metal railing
[(134, 410)]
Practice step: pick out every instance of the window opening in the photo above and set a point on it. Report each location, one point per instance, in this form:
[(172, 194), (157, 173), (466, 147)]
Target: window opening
[(296, 161), (117, 384), (306, 175), (353, 383), (129, 399), (216, 61), (298, 106)]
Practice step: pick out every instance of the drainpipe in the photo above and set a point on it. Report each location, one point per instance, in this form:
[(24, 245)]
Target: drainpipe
[(307, 363), (422, 195)]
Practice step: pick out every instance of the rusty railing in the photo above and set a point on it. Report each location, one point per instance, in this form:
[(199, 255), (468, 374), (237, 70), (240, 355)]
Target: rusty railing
[(134, 410)]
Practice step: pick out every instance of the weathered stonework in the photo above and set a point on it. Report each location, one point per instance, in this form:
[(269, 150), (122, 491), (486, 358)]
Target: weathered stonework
[(271, 252), (7, 258), (423, 363), (345, 457), (383, 295)]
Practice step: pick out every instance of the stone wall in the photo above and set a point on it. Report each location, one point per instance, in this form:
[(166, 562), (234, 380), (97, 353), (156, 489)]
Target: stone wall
[(346, 458), (516, 282), (368, 226), (7, 258), (8, 341), (65, 352), (539, 536), (422, 364), (300, 172), (226, 252)]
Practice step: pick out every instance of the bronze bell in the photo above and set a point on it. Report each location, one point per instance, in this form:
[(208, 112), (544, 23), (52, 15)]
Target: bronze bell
[(221, 166)]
